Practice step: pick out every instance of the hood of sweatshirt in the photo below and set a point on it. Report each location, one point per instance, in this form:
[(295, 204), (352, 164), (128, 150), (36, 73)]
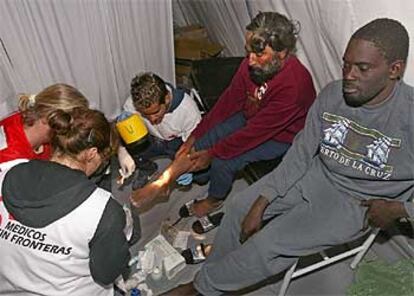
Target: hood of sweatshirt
[(177, 96), (38, 193)]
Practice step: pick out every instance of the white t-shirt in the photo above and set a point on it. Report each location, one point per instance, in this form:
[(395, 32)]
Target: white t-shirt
[(176, 124)]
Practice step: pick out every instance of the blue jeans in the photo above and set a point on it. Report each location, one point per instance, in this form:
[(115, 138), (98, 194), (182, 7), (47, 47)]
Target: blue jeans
[(223, 171)]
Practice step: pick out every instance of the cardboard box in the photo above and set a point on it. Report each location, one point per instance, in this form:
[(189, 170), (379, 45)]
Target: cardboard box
[(192, 43), (182, 69), (193, 32), (196, 49)]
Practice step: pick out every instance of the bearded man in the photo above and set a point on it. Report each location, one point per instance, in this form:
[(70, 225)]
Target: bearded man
[(256, 117)]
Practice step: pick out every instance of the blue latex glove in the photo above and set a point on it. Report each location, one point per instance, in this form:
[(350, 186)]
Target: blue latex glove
[(185, 179), (124, 115)]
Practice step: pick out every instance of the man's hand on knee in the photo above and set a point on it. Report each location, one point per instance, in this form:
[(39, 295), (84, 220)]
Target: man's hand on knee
[(382, 213), (252, 223)]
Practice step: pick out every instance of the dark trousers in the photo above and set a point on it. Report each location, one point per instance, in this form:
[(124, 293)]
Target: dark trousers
[(156, 148), (223, 171)]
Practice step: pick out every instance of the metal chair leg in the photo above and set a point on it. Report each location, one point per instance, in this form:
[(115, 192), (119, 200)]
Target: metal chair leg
[(365, 248), (359, 253), (287, 278)]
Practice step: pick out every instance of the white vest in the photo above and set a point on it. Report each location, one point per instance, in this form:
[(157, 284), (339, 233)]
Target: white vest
[(53, 260)]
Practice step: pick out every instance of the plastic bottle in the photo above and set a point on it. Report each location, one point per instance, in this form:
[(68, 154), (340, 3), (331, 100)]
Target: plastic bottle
[(135, 292), (156, 274)]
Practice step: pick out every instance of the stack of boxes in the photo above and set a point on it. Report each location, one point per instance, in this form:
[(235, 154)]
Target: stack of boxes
[(191, 44)]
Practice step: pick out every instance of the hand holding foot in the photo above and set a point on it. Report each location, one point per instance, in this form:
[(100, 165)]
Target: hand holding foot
[(181, 164), (201, 160), (186, 147)]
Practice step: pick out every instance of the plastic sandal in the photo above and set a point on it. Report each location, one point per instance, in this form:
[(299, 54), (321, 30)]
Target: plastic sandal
[(187, 209), (196, 254), (207, 223)]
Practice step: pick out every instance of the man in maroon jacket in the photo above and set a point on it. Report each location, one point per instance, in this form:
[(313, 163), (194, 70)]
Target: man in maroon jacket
[(257, 116)]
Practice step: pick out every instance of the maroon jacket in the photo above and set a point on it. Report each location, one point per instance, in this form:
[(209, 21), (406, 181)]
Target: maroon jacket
[(279, 115)]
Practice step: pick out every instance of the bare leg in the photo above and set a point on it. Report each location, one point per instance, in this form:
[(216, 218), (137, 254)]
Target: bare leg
[(161, 186)]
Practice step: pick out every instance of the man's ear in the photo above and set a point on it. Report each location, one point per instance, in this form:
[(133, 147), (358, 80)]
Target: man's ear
[(282, 54), (168, 98), (397, 69)]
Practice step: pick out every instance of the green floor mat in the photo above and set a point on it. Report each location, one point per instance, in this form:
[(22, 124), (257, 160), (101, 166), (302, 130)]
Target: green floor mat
[(377, 278)]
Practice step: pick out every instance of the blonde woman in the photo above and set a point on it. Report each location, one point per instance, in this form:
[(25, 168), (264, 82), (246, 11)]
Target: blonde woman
[(26, 133)]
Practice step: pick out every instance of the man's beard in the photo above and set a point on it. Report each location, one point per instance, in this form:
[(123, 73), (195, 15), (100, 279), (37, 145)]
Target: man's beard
[(265, 73)]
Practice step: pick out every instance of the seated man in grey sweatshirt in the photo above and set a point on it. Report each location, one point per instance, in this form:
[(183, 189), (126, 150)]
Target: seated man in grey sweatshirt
[(350, 169)]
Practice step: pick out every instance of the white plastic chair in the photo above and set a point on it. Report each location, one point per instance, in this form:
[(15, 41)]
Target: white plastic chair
[(359, 253)]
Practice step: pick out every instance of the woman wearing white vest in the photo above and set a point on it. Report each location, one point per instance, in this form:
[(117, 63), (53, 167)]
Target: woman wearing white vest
[(59, 233)]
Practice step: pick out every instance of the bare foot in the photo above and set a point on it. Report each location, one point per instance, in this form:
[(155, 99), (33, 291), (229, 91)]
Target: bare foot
[(148, 193), (206, 206), (182, 290)]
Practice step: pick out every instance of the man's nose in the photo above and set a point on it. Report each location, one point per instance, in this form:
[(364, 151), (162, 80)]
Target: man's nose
[(252, 59), (349, 73)]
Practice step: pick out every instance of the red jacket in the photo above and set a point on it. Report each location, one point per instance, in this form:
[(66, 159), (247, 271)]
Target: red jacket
[(279, 115), (14, 143)]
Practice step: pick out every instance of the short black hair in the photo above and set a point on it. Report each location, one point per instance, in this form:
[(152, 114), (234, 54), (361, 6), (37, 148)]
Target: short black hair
[(147, 89), (389, 35), (273, 29)]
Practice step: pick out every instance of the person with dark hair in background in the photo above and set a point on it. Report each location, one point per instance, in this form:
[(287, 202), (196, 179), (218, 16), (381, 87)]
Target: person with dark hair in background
[(256, 117), (60, 234), (349, 168), (170, 115)]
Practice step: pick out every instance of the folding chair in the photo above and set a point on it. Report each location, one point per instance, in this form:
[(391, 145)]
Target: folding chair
[(359, 253), (201, 104), (212, 76)]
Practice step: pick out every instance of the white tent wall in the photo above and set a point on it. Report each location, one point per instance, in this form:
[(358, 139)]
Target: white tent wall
[(98, 46), (224, 20), (326, 26), (94, 45)]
